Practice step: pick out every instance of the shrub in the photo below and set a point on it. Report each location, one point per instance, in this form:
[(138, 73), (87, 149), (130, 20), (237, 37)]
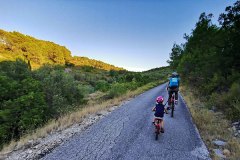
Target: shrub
[(132, 85), (85, 89), (116, 90), (102, 85), (22, 104), (229, 101), (233, 101), (61, 90)]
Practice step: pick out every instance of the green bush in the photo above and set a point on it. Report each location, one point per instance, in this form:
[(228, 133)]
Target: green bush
[(22, 102), (102, 85), (116, 90), (229, 102), (132, 85), (61, 90), (85, 89), (233, 101)]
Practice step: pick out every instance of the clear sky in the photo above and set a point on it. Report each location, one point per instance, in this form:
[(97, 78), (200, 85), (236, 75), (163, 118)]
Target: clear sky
[(134, 34)]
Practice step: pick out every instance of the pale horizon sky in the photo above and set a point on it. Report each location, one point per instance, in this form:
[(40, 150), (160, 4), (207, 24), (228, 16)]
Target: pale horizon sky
[(134, 34)]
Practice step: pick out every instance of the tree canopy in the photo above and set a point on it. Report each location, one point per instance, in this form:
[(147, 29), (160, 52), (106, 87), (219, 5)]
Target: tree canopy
[(36, 53), (209, 60)]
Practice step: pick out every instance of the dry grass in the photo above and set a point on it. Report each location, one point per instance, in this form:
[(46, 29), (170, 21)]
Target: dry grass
[(73, 118), (211, 125)]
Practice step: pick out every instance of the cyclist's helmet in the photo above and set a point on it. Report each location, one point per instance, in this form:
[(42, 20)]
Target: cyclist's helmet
[(159, 99), (174, 74)]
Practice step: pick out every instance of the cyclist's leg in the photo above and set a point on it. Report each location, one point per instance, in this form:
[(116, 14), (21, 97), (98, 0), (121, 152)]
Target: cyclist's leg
[(162, 125), (169, 98), (176, 94), (153, 122)]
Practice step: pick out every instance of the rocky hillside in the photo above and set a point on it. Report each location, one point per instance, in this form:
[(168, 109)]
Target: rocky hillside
[(36, 52)]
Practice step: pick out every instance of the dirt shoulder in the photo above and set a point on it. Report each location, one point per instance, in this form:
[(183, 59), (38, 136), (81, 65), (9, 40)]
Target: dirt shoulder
[(216, 131), (38, 148)]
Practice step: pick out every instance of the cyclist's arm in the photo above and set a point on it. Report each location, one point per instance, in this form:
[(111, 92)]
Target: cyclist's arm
[(154, 109), (165, 110)]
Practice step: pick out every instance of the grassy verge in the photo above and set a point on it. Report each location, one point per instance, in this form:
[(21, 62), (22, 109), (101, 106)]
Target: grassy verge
[(211, 125), (75, 117)]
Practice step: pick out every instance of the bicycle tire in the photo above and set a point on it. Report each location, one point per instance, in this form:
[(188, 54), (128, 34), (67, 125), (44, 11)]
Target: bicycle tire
[(157, 131), (172, 110), (156, 137)]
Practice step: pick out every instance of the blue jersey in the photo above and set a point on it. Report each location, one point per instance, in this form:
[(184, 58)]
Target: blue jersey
[(159, 110), (173, 82)]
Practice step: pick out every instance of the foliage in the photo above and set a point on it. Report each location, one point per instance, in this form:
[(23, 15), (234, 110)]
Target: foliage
[(91, 63), (102, 85), (22, 104), (29, 99), (41, 81), (209, 60), (229, 102), (14, 45), (175, 55), (117, 89), (60, 88)]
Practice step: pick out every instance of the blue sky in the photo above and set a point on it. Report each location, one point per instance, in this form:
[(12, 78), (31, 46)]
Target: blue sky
[(134, 34)]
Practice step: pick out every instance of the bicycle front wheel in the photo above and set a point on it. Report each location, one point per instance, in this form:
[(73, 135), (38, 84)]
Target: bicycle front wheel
[(156, 137)]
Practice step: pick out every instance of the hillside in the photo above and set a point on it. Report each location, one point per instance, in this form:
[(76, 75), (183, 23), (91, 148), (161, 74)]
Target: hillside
[(29, 99), (84, 61), (36, 52)]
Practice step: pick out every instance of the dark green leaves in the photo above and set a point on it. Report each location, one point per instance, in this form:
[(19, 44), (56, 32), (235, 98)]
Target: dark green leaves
[(209, 60)]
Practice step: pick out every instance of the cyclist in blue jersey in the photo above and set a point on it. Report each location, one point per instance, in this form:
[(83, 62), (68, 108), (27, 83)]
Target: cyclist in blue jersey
[(173, 87)]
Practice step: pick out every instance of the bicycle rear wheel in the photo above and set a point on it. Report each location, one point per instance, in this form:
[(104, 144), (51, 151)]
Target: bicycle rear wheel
[(172, 110), (157, 131)]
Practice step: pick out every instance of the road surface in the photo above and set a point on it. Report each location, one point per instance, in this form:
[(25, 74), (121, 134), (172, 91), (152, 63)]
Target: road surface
[(127, 134)]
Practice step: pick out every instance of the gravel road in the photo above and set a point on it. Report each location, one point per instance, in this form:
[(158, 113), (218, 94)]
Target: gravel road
[(127, 133)]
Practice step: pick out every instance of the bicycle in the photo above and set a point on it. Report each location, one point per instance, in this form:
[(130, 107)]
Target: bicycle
[(158, 127), (172, 101)]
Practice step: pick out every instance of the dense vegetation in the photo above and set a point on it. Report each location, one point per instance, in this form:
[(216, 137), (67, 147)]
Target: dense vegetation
[(36, 52), (30, 98), (41, 81), (209, 61)]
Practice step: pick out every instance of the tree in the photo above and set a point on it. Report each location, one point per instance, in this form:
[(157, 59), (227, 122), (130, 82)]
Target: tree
[(22, 105), (175, 56), (230, 22)]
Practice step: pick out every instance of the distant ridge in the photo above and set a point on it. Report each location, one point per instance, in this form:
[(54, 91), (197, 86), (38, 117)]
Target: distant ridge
[(36, 52)]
